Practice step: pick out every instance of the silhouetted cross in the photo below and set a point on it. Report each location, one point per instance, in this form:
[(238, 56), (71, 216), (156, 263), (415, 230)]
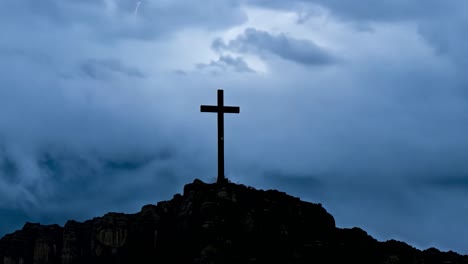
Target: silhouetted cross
[(220, 109)]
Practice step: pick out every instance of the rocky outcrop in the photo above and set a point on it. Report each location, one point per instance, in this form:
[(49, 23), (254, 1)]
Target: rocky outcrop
[(211, 223)]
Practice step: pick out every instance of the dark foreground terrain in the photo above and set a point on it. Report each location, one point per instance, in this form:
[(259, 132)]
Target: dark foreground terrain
[(212, 223)]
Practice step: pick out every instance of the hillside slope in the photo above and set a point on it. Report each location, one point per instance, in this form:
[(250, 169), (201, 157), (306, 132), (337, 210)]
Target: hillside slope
[(211, 223)]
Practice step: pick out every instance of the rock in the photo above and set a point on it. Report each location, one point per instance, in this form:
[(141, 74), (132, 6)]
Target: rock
[(211, 223)]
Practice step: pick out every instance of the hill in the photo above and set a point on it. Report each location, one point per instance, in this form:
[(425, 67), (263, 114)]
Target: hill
[(212, 223)]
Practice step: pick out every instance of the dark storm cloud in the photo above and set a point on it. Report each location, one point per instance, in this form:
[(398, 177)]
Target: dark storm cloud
[(261, 42), (364, 137), (105, 68), (119, 19), (12, 219), (73, 127), (445, 182), (226, 62), (85, 178), (448, 39), (371, 10), (442, 23), (8, 168), (310, 186)]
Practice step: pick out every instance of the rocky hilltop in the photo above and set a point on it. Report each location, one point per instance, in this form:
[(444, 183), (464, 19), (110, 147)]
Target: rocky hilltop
[(212, 223)]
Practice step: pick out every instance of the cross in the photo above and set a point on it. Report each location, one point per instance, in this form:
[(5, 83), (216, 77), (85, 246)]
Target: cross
[(220, 109)]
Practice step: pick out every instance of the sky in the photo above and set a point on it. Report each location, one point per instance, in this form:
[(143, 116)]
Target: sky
[(359, 105)]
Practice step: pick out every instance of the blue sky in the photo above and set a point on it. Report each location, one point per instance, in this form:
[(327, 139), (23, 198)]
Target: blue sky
[(359, 105)]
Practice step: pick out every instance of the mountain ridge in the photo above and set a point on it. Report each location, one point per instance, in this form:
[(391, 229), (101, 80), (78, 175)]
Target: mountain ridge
[(211, 223)]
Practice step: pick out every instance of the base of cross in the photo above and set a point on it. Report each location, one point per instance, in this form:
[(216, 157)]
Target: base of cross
[(222, 180)]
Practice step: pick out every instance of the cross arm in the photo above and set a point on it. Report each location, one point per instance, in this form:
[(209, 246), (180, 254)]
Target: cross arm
[(209, 108), (231, 109), (214, 109)]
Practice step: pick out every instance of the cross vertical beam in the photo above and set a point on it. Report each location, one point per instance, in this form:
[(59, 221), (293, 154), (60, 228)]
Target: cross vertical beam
[(220, 109), (221, 176)]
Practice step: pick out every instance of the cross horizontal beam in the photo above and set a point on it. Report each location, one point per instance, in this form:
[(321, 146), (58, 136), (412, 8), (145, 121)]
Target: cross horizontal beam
[(224, 109)]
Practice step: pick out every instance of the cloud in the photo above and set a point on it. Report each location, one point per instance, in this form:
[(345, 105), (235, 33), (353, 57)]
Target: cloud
[(116, 20), (447, 38), (226, 62), (369, 10), (292, 183), (107, 68), (74, 121), (92, 111), (441, 23), (261, 42), (444, 182)]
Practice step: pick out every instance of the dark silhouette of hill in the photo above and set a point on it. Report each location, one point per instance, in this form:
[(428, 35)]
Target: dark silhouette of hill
[(212, 223)]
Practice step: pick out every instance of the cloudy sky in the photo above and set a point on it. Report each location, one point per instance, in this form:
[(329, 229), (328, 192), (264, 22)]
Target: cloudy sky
[(359, 105)]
